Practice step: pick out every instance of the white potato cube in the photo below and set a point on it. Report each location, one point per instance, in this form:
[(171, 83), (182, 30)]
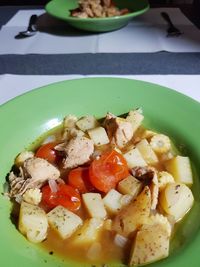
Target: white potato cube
[(180, 169), (89, 231), (70, 121), (94, 205), (136, 118), (87, 123), (176, 200), (134, 158), (151, 244), (126, 199), (130, 186), (147, 152), (33, 222), (131, 217), (63, 221), (99, 136), (112, 201)]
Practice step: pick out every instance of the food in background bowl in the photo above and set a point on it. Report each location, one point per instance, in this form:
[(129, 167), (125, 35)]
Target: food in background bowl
[(97, 9), (99, 184)]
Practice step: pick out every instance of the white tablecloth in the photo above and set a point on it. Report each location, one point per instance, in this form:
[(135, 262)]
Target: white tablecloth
[(14, 85), (145, 33)]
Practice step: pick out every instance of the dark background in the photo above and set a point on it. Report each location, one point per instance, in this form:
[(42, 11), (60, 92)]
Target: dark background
[(152, 2)]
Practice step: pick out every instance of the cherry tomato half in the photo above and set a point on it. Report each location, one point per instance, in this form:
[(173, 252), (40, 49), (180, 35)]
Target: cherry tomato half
[(79, 178), (47, 152), (66, 196), (108, 170)]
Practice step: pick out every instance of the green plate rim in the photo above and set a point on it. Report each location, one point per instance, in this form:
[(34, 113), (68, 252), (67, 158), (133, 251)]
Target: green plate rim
[(107, 19)]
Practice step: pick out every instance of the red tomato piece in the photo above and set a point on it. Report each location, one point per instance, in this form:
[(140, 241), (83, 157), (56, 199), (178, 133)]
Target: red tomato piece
[(47, 152), (108, 170), (79, 178), (66, 196)]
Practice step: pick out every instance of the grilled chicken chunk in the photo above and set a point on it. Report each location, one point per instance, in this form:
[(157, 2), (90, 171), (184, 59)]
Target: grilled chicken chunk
[(32, 174), (78, 151)]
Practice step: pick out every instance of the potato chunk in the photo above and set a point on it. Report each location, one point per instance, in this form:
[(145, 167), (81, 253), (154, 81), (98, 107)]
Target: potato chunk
[(99, 136), (112, 201), (180, 169), (87, 122), (176, 200), (94, 205), (134, 214), (130, 186), (147, 152), (151, 244), (134, 158), (33, 222), (89, 232), (136, 118), (63, 221)]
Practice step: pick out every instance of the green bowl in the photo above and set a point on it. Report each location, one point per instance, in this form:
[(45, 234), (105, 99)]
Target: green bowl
[(61, 10), (28, 116)]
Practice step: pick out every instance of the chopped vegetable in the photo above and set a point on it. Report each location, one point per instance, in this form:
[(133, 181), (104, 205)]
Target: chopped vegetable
[(47, 152), (180, 169), (63, 221), (130, 185), (94, 205), (176, 199), (134, 158), (66, 196), (79, 178), (32, 196), (160, 143), (133, 216), (147, 152), (112, 201), (33, 222), (86, 123), (108, 170), (151, 244), (136, 118), (89, 231), (99, 136), (164, 178)]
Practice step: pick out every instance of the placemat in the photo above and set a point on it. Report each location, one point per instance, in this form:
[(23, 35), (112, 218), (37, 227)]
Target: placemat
[(144, 34)]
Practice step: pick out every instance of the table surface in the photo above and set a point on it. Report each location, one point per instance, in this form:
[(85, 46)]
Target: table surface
[(126, 63)]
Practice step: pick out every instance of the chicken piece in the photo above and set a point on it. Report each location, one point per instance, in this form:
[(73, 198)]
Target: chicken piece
[(119, 130), (148, 176), (144, 174), (78, 151), (106, 3), (24, 155), (40, 169), (97, 8), (33, 174), (112, 11)]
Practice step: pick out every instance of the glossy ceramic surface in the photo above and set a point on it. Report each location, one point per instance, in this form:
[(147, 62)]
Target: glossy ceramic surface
[(61, 10), (26, 117)]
